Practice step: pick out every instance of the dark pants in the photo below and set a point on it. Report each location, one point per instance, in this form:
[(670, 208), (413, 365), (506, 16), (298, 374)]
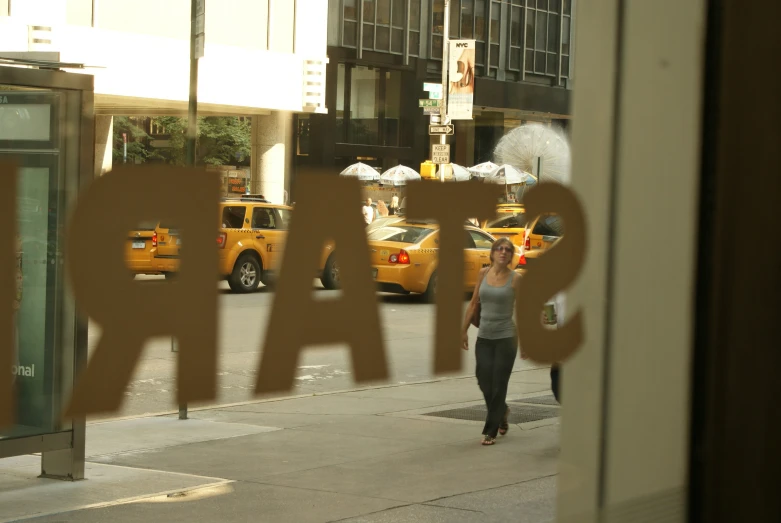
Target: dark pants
[(554, 382), (495, 360)]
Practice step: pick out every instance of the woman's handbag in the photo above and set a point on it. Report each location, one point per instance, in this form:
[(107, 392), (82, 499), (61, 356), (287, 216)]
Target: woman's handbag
[(476, 316)]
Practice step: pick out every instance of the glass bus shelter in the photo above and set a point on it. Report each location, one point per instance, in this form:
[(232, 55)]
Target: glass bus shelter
[(46, 128)]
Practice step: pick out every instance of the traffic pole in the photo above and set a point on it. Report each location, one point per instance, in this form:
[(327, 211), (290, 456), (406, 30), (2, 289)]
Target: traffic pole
[(182, 406), (192, 109), (445, 63)]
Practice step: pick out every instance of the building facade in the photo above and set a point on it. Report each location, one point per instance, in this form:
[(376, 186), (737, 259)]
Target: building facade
[(262, 59), (382, 51)]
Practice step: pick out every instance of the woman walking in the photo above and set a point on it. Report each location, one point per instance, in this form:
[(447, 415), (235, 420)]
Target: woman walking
[(491, 309)]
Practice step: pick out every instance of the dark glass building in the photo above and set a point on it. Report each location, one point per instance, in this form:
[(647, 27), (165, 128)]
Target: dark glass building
[(382, 51)]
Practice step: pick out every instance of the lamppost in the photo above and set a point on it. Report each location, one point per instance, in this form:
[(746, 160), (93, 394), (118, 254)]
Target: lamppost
[(445, 55)]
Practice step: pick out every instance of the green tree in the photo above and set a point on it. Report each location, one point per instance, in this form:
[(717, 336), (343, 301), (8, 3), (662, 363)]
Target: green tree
[(222, 140), (137, 148)]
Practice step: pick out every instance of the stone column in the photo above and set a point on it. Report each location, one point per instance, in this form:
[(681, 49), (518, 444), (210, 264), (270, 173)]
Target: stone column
[(270, 162), (104, 143)]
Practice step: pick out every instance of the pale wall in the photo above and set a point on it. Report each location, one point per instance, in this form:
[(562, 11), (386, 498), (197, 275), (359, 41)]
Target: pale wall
[(142, 61)]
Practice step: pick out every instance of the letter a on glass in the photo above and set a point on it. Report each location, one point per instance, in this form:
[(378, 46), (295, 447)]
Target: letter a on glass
[(130, 312), (450, 204), (297, 319)]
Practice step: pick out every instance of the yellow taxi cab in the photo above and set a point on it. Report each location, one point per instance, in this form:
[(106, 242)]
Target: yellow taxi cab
[(405, 256), (543, 232), (530, 258), (251, 241), (510, 222), (329, 268), (140, 248)]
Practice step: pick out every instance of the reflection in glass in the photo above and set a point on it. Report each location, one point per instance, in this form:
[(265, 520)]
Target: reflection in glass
[(368, 36), (364, 108), (414, 43), (397, 41), (414, 14), (350, 12), (392, 127), (398, 12), (340, 79), (384, 11), (350, 35), (454, 16), (368, 11), (383, 38), (25, 122), (553, 40), (480, 20), (467, 19)]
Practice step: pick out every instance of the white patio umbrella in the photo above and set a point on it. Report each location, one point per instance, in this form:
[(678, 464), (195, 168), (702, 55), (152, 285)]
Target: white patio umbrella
[(509, 175), (363, 172), (399, 175), (483, 169), (460, 174)]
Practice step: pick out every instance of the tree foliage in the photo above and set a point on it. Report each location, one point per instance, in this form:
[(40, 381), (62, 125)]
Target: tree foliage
[(137, 148), (222, 140)]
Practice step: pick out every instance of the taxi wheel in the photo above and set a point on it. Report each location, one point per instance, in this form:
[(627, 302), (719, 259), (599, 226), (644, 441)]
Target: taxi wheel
[(331, 279), (246, 275), (431, 291)]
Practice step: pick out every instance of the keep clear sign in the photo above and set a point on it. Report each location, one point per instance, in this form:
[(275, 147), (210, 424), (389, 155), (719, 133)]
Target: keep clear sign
[(461, 77)]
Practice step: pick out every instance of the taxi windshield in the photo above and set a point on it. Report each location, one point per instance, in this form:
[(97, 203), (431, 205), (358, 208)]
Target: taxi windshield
[(514, 221), (400, 234)]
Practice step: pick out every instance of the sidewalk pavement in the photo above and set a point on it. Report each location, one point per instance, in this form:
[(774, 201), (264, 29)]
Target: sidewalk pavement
[(364, 456)]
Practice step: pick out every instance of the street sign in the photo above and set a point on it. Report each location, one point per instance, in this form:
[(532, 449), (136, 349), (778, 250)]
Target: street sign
[(439, 130), (440, 153), (427, 102), (434, 91), (431, 110)]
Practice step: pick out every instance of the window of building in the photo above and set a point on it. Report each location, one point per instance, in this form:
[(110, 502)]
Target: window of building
[(368, 106), (381, 25), (414, 28), (350, 23), (516, 35), (495, 31), (467, 21), (543, 32), (364, 106)]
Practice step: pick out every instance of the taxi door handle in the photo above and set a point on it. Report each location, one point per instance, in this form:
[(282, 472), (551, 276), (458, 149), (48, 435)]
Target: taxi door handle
[(260, 237)]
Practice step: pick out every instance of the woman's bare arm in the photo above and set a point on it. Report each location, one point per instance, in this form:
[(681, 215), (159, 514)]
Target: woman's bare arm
[(472, 307)]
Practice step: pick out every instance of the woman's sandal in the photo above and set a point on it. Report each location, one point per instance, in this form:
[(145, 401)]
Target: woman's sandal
[(504, 427), (488, 440)]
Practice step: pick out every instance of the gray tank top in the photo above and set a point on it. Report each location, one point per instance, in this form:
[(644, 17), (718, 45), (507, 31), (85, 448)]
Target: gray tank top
[(497, 308)]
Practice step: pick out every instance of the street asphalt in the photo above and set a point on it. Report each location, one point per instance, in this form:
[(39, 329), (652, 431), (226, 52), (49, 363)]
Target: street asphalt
[(408, 328)]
